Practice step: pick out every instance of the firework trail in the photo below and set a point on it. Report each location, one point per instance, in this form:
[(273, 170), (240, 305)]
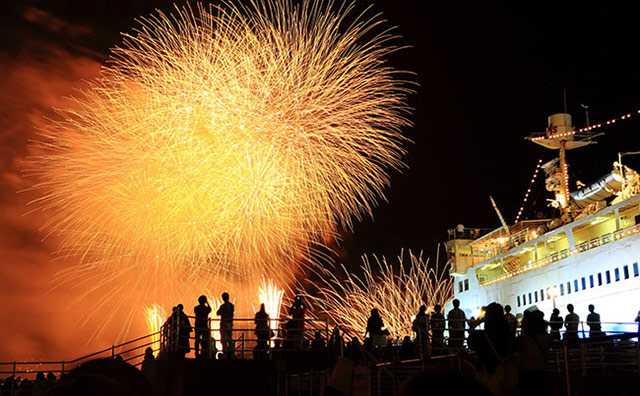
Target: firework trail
[(394, 290), (221, 142)]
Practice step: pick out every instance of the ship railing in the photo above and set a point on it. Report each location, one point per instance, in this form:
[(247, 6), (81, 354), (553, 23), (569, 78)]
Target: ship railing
[(582, 247)]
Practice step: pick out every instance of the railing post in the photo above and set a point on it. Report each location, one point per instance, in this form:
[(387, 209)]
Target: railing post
[(13, 379), (583, 359), (62, 370), (638, 355), (566, 368), (243, 345), (113, 351)]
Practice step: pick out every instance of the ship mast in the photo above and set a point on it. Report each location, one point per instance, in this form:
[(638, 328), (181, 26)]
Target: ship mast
[(562, 136)]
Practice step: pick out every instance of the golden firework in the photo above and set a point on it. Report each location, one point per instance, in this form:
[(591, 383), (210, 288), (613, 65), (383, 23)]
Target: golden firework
[(224, 142), (395, 291)]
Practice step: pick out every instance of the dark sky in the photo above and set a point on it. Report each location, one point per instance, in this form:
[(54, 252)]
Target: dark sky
[(489, 74)]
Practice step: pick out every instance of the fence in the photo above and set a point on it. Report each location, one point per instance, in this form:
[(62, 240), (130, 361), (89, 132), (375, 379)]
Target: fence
[(131, 352), (242, 340)]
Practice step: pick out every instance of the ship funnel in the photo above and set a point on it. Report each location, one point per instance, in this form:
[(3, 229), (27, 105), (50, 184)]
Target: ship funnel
[(559, 124)]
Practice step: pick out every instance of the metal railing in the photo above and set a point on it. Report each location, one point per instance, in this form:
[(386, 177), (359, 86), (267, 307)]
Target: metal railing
[(131, 351), (582, 247), (178, 337)]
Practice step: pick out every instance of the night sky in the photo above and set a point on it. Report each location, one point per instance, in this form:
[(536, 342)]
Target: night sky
[(489, 74)]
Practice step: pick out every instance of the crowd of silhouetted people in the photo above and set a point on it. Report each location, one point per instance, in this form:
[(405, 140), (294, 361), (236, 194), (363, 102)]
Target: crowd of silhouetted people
[(510, 351), (28, 387), (267, 342)]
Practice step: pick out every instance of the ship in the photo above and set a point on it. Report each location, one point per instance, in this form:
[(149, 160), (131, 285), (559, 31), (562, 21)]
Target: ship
[(587, 254)]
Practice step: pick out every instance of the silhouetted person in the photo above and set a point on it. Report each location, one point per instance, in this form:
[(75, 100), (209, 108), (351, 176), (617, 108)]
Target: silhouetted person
[(420, 326), (295, 327), (375, 329), (593, 321), (318, 342), (389, 353), (533, 352), (511, 319), (555, 323), (457, 323), (263, 333), (571, 322), (225, 312), (184, 331), (495, 343), (638, 321), (51, 378), (408, 349), (354, 350), (276, 351), (202, 332), (40, 385), (149, 365), (437, 330)]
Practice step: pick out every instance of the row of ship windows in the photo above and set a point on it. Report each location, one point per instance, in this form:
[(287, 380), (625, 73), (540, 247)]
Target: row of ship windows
[(540, 296)]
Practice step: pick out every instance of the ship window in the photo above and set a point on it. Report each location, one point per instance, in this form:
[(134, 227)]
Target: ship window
[(518, 300), (584, 283), (541, 295), (599, 278), (561, 289), (591, 281), (608, 274), (530, 298), (568, 287), (617, 273), (535, 294), (575, 285), (524, 299), (466, 284), (460, 287), (635, 269), (626, 271)]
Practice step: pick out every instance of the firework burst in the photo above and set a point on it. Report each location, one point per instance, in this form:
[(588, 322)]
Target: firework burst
[(394, 290), (221, 142)]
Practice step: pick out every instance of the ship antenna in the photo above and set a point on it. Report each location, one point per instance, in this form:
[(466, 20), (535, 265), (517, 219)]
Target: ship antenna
[(504, 224), (586, 112)]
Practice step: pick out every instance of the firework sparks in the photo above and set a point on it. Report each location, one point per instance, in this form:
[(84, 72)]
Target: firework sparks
[(397, 293), (224, 142), (156, 316), (271, 296)]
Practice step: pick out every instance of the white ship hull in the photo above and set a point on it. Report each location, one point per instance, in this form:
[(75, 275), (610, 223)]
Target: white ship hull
[(616, 301)]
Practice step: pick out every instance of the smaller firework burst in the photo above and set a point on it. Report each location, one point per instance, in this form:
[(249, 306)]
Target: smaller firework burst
[(271, 296), (156, 316), (396, 291)]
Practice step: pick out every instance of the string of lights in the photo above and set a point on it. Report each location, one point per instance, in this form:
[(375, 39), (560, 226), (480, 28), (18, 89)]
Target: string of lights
[(526, 195), (622, 117)]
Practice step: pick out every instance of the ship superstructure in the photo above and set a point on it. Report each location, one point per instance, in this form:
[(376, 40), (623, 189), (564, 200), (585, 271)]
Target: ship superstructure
[(589, 254)]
